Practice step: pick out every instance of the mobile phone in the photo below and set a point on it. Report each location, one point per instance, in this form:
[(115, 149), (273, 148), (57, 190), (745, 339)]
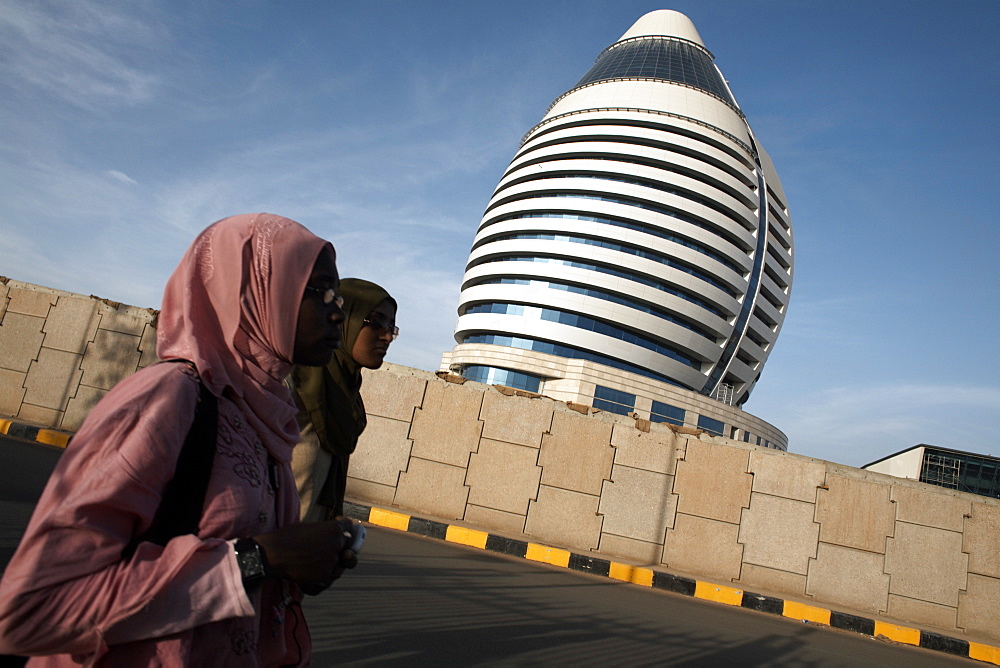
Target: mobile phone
[(359, 538)]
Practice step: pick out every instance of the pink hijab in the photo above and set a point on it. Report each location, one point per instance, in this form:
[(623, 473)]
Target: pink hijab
[(232, 306)]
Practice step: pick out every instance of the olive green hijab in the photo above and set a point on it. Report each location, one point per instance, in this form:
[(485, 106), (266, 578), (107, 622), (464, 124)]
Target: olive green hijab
[(331, 395)]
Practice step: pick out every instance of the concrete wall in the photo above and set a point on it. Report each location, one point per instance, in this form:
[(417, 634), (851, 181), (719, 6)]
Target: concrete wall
[(61, 352), (680, 500), (562, 475)]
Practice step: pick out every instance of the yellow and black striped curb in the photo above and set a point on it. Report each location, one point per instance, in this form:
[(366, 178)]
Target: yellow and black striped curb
[(29, 432), (680, 585)]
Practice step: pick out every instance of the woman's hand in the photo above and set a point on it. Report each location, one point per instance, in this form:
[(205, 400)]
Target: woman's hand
[(311, 555)]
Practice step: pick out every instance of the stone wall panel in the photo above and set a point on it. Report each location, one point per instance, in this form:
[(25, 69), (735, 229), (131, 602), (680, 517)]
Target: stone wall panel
[(11, 391), (147, 347), (779, 533), (926, 563), (383, 451), (51, 377), (979, 607), (79, 406), (577, 453), (931, 507), (123, 320), (635, 552), (712, 481), (849, 577), (71, 325), (855, 513), (20, 340), (392, 395), (503, 476), (31, 302), (981, 539), (433, 488), (109, 358), (763, 580), (515, 419), (703, 546), (447, 428), (922, 613), (653, 450), (564, 518), (637, 503), (370, 492), (39, 414), (777, 474), (490, 519)]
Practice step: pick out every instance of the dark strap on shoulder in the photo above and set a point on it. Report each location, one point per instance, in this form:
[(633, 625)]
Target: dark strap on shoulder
[(183, 498)]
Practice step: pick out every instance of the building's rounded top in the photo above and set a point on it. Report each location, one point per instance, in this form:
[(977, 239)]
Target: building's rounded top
[(664, 23)]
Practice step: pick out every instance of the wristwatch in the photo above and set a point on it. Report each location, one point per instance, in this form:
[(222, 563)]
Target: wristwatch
[(251, 559)]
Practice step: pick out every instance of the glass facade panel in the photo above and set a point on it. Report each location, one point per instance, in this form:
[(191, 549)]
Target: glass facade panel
[(962, 471), (492, 375), (662, 412), (663, 59), (610, 271), (585, 323), (621, 248), (711, 425), (566, 351), (614, 401), (705, 202), (638, 227), (600, 294)]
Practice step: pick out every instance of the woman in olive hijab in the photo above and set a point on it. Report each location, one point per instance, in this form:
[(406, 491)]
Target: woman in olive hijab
[(331, 412)]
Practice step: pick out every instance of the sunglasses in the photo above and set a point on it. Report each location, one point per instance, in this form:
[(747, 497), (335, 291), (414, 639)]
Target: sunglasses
[(329, 295), (381, 327)]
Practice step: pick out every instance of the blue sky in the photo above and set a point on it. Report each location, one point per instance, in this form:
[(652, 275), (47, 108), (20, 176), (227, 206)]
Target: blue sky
[(385, 125)]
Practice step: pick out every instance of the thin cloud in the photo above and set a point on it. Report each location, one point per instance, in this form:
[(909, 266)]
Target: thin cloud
[(78, 52), (121, 176), (856, 425)]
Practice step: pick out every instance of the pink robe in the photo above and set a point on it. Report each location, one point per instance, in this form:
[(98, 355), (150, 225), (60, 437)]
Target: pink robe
[(231, 308), (179, 605)]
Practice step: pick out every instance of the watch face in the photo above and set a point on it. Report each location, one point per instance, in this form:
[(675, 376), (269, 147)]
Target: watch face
[(251, 565)]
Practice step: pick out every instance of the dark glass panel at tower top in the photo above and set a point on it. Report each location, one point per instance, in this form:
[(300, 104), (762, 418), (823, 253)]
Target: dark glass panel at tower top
[(667, 60)]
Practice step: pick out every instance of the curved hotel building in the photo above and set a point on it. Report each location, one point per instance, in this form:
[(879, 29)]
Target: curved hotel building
[(637, 253)]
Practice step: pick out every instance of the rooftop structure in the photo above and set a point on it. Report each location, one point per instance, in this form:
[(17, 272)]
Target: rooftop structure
[(954, 469)]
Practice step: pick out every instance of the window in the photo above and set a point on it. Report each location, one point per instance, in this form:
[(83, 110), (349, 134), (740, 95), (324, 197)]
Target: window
[(712, 426), (669, 60), (666, 413), (614, 401), (492, 375), (585, 323), (566, 351)]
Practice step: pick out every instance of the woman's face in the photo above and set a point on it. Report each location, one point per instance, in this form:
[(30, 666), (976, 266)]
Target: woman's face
[(318, 332), (373, 341)]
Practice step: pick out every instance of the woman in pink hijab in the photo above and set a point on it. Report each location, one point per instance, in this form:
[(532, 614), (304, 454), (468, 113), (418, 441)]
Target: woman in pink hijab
[(252, 295)]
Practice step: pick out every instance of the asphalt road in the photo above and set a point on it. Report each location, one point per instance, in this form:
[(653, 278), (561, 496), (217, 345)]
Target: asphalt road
[(24, 468), (415, 601)]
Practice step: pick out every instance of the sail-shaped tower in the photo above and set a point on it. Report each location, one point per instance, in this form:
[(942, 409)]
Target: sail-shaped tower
[(637, 252)]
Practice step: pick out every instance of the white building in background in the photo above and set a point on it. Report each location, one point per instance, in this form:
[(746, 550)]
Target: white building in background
[(637, 253), (954, 469)]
